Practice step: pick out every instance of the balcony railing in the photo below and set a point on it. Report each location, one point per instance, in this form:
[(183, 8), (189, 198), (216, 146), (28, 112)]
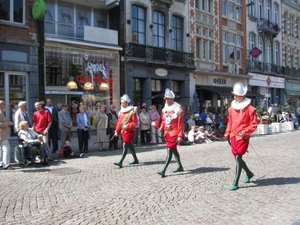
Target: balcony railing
[(267, 26), (159, 54), (258, 66), (294, 72), (64, 30)]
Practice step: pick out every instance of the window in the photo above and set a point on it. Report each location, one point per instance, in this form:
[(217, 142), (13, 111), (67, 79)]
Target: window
[(175, 86), (224, 8), (231, 10), (292, 61), (268, 10), (276, 55), (158, 29), (259, 9), (276, 14), (156, 85), (250, 8), (260, 46), (138, 24), (238, 14), (285, 22), (269, 53), (231, 48), (205, 45), (285, 56), (292, 24), (251, 41), (198, 40), (13, 11), (177, 33)]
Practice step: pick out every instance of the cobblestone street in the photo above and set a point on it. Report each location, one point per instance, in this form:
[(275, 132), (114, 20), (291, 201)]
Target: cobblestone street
[(92, 190)]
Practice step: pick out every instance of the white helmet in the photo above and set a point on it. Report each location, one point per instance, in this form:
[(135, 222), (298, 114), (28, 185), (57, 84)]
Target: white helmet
[(125, 98), (169, 94), (239, 89)]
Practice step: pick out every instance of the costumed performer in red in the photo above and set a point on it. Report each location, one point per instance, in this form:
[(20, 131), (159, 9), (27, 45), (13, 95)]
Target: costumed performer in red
[(126, 124), (242, 122), (172, 125)]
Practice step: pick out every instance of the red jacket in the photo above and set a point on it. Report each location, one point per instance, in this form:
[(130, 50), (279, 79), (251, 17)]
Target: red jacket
[(128, 133)]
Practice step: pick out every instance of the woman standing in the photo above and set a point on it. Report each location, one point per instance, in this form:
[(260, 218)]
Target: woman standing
[(155, 122), (83, 121), (101, 122), (145, 126)]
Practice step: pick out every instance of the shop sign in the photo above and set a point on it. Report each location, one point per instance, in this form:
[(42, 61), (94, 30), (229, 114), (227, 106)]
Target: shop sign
[(255, 52), (262, 80), (161, 72), (219, 80), (97, 79)]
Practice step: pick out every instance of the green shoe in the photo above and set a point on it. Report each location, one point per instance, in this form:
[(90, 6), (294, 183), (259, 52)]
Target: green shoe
[(118, 164), (134, 162), (179, 169), (233, 187), (247, 179), (161, 173)]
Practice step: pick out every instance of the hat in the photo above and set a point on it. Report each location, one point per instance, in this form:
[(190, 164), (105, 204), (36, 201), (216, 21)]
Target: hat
[(239, 89), (125, 98), (196, 115), (169, 94)]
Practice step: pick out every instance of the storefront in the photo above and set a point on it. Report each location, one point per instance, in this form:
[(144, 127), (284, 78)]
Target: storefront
[(269, 86), (292, 91), (93, 71)]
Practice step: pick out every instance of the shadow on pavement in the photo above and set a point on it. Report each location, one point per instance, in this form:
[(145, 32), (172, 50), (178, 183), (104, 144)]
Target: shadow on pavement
[(207, 170), (277, 181)]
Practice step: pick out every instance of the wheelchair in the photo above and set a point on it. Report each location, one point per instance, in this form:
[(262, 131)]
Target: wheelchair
[(23, 155)]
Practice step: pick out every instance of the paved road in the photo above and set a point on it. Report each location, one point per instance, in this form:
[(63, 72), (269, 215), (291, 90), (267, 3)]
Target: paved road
[(93, 191)]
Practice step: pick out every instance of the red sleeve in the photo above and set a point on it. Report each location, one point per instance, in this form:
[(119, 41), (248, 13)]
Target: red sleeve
[(132, 122), (180, 123)]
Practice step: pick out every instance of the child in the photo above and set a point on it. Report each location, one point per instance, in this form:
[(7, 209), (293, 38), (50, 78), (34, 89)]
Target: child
[(69, 153), (210, 135), (193, 135), (204, 135)]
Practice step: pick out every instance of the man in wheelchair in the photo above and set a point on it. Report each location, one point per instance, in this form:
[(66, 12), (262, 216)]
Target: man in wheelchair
[(32, 141)]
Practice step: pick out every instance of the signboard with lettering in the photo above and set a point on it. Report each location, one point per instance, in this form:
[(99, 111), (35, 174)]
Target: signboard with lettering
[(255, 52)]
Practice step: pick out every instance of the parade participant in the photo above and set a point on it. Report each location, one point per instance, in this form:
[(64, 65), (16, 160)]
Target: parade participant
[(242, 121), (127, 121), (172, 125)]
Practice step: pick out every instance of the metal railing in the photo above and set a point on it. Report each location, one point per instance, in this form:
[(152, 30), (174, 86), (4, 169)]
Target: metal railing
[(265, 24), (58, 29), (161, 54)]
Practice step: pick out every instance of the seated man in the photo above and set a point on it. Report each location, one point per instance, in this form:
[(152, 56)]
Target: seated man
[(32, 140)]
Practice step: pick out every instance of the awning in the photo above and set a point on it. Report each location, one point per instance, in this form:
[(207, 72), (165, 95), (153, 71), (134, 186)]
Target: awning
[(225, 92)]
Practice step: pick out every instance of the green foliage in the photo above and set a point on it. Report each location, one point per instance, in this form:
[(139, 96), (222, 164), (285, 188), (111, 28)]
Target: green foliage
[(212, 109), (260, 109)]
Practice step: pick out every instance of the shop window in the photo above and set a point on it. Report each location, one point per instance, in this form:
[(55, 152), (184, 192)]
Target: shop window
[(175, 86), (13, 11), (156, 85)]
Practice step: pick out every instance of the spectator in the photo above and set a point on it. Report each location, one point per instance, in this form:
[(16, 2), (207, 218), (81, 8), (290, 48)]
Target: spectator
[(137, 127), (83, 121), (112, 123), (191, 121), (53, 131), (68, 152), (145, 126), (21, 115), (198, 121), (101, 122), (4, 137), (65, 124), (41, 123), (155, 122), (58, 108)]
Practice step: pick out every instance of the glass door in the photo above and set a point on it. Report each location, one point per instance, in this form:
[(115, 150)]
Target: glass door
[(13, 89)]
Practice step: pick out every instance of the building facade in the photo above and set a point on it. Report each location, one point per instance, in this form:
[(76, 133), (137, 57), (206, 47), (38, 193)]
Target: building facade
[(155, 36), (81, 45), (291, 50), (264, 51), (18, 55)]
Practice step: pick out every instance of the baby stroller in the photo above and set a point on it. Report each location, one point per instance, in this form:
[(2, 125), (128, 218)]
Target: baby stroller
[(24, 154)]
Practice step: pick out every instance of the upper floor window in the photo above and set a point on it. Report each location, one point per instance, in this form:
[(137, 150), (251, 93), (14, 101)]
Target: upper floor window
[(292, 24), (260, 46), (268, 16), (276, 14), (205, 5), (250, 7), (177, 33), (276, 55), (231, 48), (251, 41), (231, 10), (259, 9), (13, 11), (158, 29), (138, 24)]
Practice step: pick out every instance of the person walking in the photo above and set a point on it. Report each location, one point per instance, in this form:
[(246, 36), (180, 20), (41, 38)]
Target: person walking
[(126, 126), (101, 122), (4, 137), (65, 125), (172, 125), (112, 122), (83, 121), (242, 121), (41, 123), (53, 130)]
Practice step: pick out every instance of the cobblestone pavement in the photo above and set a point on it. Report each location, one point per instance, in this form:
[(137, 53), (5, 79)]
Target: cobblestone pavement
[(92, 190)]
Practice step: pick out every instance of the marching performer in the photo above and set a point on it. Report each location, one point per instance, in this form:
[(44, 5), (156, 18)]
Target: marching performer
[(242, 122), (172, 125), (127, 121)]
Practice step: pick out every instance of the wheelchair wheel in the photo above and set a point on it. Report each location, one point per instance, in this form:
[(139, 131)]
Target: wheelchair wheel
[(26, 162)]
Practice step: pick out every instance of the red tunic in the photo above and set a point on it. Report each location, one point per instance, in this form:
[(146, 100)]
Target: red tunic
[(174, 129), (128, 132), (244, 121)]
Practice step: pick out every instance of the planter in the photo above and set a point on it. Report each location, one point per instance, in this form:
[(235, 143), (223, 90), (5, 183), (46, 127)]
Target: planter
[(261, 129), (290, 125), (276, 128), (287, 126)]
